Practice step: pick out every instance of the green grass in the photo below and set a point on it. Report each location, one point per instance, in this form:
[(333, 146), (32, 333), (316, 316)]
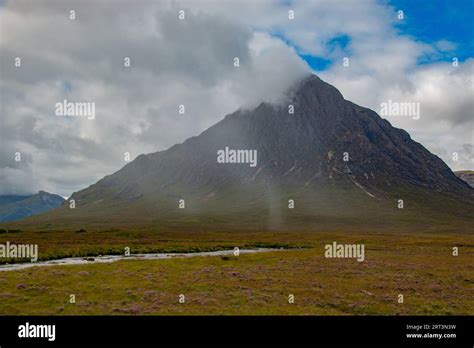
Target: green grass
[(332, 207), (61, 244), (419, 266)]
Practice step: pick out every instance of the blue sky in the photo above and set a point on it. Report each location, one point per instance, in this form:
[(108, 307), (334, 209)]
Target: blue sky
[(424, 21), (431, 21)]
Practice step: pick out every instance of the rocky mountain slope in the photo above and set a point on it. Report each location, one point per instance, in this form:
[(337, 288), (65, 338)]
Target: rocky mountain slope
[(336, 160)]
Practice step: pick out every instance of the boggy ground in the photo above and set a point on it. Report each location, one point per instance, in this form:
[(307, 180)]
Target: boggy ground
[(421, 267)]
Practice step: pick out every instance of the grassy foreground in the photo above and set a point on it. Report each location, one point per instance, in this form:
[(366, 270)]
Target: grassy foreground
[(421, 267)]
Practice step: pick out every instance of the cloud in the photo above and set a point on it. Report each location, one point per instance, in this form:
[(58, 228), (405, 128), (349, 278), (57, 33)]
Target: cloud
[(190, 62), (443, 91), (173, 62), (445, 45)]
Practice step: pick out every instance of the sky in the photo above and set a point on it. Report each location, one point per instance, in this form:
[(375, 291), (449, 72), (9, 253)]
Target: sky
[(373, 51)]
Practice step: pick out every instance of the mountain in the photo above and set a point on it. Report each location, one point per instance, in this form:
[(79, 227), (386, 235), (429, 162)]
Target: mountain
[(343, 166), (13, 207), (466, 175), (6, 199)]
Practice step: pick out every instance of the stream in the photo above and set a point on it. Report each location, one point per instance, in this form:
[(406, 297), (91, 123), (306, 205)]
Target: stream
[(112, 258)]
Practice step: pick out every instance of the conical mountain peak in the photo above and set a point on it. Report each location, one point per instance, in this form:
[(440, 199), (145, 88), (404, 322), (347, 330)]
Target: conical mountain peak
[(321, 148), (314, 86)]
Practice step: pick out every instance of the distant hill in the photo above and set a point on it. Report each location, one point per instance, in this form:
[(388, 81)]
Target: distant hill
[(344, 167), (14, 207), (467, 176), (6, 199)]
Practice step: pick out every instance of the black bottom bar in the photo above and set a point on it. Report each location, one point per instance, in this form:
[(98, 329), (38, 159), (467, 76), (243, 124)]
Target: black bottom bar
[(135, 331)]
